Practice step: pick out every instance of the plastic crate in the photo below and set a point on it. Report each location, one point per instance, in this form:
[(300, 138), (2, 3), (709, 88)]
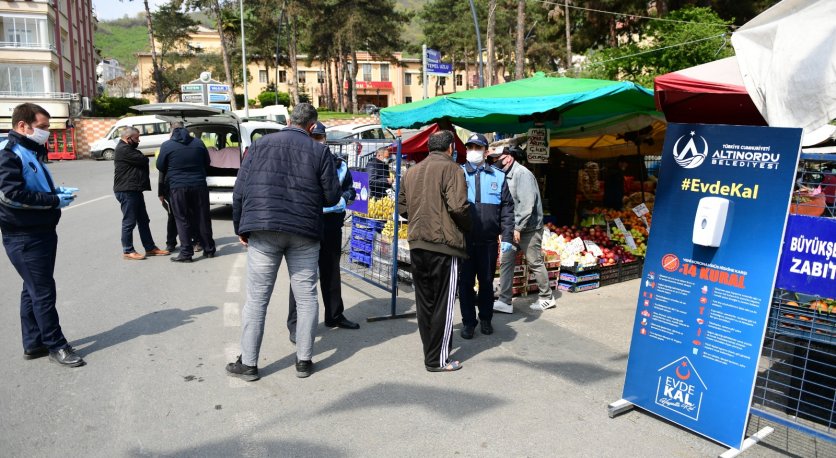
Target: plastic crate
[(362, 234), (360, 258), (577, 287), (803, 322), (577, 268), (361, 246), (620, 272), (375, 225), (568, 277)]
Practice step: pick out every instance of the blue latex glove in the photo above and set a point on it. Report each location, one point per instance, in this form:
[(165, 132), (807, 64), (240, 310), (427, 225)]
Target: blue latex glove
[(339, 208), (66, 199), (505, 247), (63, 190)]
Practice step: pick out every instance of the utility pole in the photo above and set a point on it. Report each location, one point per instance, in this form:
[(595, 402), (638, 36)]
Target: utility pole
[(478, 45), (244, 62), (278, 48), (568, 37), (424, 77)]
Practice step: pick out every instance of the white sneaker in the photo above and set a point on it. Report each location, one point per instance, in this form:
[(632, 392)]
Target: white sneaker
[(502, 307), (543, 304)]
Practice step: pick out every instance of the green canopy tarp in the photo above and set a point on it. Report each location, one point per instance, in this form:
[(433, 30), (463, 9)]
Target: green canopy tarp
[(514, 107)]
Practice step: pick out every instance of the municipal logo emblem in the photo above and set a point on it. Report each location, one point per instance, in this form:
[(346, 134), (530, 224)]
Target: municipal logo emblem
[(494, 186), (690, 156)]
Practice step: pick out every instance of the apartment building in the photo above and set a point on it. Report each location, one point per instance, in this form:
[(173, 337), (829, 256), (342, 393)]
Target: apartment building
[(47, 57), (379, 81)]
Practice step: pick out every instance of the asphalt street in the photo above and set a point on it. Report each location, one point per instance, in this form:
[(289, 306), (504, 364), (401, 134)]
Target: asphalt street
[(156, 336)]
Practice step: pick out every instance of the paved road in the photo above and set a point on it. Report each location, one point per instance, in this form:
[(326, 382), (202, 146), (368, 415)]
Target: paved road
[(156, 336)]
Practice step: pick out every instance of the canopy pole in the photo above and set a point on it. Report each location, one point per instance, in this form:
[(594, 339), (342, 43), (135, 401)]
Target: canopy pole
[(641, 167)]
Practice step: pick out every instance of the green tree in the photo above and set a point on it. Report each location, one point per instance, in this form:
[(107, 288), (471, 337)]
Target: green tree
[(155, 63), (664, 47), (173, 30)]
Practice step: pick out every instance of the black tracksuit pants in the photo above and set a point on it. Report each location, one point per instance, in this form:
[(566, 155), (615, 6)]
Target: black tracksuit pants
[(330, 283), (190, 206), (481, 265), (434, 276)]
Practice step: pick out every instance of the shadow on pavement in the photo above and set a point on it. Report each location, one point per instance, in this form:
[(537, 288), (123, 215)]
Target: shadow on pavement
[(248, 448), (220, 213), (153, 323), (451, 403)]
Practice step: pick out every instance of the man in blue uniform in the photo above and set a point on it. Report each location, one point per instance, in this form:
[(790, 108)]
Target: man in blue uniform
[(29, 213), (492, 216)]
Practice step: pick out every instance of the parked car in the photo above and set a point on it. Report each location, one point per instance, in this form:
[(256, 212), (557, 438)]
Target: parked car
[(357, 142), (153, 131), (225, 135), (370, 109), (277, 113)]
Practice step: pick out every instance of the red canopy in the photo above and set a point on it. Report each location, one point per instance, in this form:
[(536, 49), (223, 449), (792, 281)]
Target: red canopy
[(415, 148), (709, 93)]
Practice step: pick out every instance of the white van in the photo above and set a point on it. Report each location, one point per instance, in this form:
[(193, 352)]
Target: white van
[(153, 131), (276, 113)]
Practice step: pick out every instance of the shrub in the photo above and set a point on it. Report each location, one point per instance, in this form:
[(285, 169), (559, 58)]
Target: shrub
[(115, 107), (268, 98)]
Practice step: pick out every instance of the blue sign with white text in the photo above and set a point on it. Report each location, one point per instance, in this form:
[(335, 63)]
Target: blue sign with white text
[(808, 261), (361, 187), (435, 66), (718, 225)]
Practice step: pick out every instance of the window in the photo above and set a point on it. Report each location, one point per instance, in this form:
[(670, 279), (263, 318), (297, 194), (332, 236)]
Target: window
[(458, 80), (370, 134), (388, 135), (367, 72), (320, 77), (21, 31), (260, 133), (23, 78), (442, 81), (384, 72), (282, 76), (407, 79), (301, 79), (407, 99), (262, 76)]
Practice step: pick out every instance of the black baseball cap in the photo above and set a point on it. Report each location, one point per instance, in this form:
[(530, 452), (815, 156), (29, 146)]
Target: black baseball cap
[(319, 129), (477, 139)]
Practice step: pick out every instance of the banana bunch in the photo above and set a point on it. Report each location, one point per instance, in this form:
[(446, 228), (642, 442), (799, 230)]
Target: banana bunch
[(389, 230), (381, 208)]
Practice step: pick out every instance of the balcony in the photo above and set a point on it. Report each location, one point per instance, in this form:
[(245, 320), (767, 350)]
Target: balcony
[(38, 95), (27, 46)]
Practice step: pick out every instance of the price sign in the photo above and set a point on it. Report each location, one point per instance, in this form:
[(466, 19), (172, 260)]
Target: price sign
[(538, 146), (627, 236), (574, 247), (593, 248), (640, 210)]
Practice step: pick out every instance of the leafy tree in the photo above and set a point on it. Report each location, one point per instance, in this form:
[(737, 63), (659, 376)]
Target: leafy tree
[(665, 47), (226, 22), (268, 98), (173, 30), (154, 60), (115, 107)]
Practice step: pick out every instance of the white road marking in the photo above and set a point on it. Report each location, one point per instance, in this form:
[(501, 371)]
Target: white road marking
[(72, 206), (232, 314), (233, 284), (240, 262)]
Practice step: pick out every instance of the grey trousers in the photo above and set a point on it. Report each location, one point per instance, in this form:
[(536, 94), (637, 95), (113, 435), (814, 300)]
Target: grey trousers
[(530, 242), (264, 257)]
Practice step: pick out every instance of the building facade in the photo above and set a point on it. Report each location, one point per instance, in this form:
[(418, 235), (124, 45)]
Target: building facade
[(379, 81), (47, 57)]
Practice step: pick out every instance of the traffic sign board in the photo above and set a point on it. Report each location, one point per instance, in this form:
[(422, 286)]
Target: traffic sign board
[(194, 98), (222, 106), (191, 88), (218, 88), (218, 97)]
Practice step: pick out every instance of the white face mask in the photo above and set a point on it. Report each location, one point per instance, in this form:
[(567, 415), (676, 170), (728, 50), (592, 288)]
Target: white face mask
[(475, 157), (39, 136)]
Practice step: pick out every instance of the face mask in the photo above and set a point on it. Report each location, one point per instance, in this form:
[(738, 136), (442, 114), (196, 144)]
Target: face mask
[(475, 157), (39, 136)]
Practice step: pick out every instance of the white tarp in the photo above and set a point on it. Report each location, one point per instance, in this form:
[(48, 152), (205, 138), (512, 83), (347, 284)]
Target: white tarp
[(787, 58)]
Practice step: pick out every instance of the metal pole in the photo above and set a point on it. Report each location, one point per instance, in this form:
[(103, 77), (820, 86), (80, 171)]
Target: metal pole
[(424, 77), (278, 49), (478, 45), (244, 62)]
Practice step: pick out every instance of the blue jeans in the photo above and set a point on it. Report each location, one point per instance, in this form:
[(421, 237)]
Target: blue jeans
[(33, 256), (264, 257), (134, 214)]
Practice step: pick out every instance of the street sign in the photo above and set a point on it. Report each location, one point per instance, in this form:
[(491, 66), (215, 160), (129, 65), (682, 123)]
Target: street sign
[(193, 98), (218, 88), (191, 88), (218, 97), (222, 106), (434, 64)]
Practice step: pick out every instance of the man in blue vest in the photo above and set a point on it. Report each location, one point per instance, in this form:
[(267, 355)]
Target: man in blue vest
[(29, 213), (492, 216)]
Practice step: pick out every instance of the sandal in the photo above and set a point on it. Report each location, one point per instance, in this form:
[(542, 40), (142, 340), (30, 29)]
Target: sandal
[(450, 367)]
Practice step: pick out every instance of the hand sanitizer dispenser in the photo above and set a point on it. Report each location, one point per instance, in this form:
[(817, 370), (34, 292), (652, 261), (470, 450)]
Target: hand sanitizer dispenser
[(710, 221)]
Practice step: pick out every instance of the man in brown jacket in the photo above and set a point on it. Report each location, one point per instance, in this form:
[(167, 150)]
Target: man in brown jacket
[(433, 196)]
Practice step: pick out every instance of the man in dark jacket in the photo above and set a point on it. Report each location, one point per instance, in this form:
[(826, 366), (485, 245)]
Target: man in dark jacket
[(184, 160), (330, 250), (492, 215), (29, 213), (284, 182), (433, 197), (130, 179), (378, 170)]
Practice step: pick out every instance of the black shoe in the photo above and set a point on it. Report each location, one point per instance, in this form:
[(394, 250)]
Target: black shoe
[(207, 254), (181, 258), (487, 329), (293, 337), (344, 323), (66, 357), (467, 332), (35, 353), (170, 248), (304, 368), (242, 371)]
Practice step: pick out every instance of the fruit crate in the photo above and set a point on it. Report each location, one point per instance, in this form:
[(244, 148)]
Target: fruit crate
[(577, 268), (568, 277), (802, 322), (375, 225), (621, 271), (360, 258), (577, 287), (358, 233), (361, 246)]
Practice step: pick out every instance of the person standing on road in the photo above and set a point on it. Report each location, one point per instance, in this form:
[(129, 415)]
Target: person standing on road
[(330, 250), (29, 214), (378, 170), (284, 182), (528, 232), (433, 197), (164, 195), (184, 160), (130, 179), (492, 215)]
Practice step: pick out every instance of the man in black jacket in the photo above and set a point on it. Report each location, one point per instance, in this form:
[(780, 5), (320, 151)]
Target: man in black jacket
[(330, 250), (29, 213), (184, 160), (378, 170), (130, 179), (284, 182)]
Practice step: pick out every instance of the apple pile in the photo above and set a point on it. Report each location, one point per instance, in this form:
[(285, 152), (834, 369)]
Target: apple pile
[(557, 238)]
